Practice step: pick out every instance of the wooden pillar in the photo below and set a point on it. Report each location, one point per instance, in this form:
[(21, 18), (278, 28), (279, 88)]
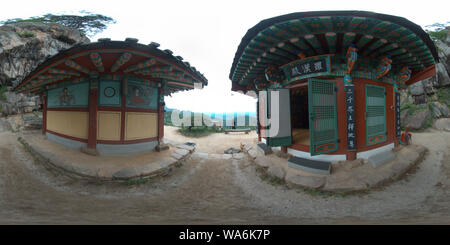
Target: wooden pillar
[(350, 155), (123, 111), (44, 113), (93, 109), (258, 128), (161, 116)]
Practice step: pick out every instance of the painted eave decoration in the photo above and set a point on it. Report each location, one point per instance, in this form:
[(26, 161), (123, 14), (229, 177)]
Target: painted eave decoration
[(288, 38), (114, 60)]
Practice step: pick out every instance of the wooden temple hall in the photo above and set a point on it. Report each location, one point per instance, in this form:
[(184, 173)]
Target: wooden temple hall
[(337, 74), (108, 96)]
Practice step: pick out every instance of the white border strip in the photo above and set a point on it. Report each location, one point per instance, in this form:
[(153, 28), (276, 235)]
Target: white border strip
[(369, 153)]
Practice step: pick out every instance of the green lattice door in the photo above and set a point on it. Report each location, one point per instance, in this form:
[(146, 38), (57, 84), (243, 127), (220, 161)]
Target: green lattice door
[(375, 114), (323, 129)]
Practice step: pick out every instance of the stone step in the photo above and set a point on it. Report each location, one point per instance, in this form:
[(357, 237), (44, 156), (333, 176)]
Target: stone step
[(381, 158), (264, 149), (309, 165)]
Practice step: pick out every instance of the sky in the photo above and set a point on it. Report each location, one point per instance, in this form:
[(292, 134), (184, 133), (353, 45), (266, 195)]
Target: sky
[(207, 33)]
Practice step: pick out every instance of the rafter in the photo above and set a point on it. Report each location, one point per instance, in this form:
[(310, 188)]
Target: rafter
[(76, 66), (96, 59), (124, 58), (140, 65), (62, 72)]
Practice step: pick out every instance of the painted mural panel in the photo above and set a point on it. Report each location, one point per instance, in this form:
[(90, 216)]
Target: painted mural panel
[(109, 93), (74, 95), (141, 96)]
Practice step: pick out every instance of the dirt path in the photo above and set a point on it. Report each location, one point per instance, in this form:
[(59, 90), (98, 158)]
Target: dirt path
[(214, 143), (214, 192)]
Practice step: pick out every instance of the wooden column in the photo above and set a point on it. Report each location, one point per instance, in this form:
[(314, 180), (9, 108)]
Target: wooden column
[(93, 109), (44, 113), (161, 116), (258, 128), (123, 110)]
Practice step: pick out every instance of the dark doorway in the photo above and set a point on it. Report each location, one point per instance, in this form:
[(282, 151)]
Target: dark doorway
[(300, 116)]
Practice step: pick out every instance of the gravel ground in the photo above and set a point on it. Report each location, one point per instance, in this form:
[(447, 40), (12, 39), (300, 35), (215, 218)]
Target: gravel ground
[(212, 191)]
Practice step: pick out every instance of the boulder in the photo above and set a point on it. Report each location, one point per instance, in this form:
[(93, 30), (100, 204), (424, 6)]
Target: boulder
[(276, 171), (403, 115), (443, 108), (252, 153), (313, 182), (263, 162), (418, 119), (435, 109), (416, 89), (442, 124)]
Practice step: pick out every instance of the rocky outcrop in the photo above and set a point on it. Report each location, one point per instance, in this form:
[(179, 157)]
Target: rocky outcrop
[(418, 120), (442, 78), (442, 124), (23, 46), (430, 96), (19, 103)]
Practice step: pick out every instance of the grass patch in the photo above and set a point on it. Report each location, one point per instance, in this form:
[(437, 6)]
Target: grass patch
[(262, 173), (139, 181), (26, 34), (197, 132)]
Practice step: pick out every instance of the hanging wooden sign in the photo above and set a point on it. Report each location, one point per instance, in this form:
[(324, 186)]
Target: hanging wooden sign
[(350, 108), (308, 67), (397, 115)]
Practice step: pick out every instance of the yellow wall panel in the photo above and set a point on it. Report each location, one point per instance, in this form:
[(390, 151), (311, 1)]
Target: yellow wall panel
[(140, 125), (70, 123), (108, 127)]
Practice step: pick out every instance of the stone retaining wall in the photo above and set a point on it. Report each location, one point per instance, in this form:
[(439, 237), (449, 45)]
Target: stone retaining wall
[(346, 176)]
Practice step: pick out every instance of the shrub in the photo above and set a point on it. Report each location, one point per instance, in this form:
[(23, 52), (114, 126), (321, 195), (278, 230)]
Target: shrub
[(443, 95), (26, 34), (2, 93), (196, 132), (438, 35)]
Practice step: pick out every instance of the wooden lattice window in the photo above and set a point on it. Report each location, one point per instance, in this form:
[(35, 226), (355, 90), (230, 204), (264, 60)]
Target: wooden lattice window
[(375, 114), (323, 128)]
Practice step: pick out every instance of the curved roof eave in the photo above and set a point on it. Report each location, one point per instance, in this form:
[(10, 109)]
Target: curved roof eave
[(252, 32), (106, 43)]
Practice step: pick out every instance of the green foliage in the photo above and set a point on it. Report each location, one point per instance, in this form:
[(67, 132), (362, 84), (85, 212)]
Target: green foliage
[(26, 34), (410, 107), (438, 35), (2, 92), (139, 181), (89, 24), (198, 131), (437, 31), (429, 123), (443, 95)]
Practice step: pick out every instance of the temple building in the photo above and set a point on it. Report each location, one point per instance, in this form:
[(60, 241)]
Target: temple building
[(108, 96), (335, 76)]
